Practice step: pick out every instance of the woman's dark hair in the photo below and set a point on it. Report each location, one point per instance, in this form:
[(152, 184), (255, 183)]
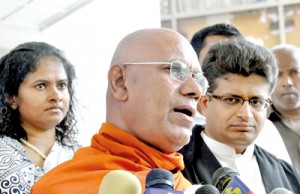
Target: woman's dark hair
[(14, 67)]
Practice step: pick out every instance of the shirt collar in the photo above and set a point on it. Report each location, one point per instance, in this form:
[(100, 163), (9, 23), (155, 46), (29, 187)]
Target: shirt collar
[(223, 150)]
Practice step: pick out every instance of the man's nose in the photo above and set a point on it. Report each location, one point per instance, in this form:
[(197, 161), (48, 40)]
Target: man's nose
[(245, 111)]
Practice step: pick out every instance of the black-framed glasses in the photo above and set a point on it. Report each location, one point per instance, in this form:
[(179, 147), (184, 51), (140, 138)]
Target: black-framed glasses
[(179, 71), (235, 101)]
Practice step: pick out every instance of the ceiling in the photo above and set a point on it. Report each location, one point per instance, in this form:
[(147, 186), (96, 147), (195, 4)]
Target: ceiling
[(36, 14)]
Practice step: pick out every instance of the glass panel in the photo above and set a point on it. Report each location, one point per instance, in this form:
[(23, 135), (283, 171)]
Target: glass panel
[(292, 24), (257, 26), (165, 7), (190, 6)]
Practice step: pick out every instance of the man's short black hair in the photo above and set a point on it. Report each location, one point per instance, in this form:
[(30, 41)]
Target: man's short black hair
[(221, 29)]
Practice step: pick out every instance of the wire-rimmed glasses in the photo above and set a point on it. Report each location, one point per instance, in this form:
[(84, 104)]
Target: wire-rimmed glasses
[(235, 101), (179, 71)]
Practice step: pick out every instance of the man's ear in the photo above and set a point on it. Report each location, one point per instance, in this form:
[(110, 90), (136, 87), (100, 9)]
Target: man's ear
[(117, 78), (202, 105)]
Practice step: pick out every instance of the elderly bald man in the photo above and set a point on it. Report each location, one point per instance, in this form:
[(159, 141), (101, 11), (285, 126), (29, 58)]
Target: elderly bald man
[(154, 84)]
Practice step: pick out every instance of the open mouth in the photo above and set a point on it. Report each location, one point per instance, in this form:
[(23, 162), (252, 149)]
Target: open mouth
[(184, 111)]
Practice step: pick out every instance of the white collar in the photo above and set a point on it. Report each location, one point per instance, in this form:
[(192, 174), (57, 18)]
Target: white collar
[(224, 150)]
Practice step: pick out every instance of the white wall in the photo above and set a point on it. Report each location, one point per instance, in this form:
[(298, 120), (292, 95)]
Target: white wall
[(89, 38)]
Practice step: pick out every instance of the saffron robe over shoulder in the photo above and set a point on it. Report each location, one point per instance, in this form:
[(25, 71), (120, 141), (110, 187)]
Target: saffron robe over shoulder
[(111, 149)]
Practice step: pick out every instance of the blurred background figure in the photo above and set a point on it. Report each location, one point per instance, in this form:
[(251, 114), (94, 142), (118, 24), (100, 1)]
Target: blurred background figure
[(285, 110), (37, 122), (205, 37)]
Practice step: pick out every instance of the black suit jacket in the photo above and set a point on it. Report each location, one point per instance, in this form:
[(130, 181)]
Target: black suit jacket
[(200, 164)]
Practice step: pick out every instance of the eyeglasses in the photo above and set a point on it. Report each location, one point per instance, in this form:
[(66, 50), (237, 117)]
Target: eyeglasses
[(180, 71), (234, 101)]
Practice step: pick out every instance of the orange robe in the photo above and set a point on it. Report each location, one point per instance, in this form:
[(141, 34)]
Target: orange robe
[(111, 149)]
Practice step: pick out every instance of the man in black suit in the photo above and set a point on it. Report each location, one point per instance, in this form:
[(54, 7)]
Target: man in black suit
[(241, 77)]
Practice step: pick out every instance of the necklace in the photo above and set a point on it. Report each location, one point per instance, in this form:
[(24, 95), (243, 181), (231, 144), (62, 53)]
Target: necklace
[(35, 149)]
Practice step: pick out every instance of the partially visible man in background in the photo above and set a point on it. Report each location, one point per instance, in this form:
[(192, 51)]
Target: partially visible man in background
[(285, 110), (205, 37)]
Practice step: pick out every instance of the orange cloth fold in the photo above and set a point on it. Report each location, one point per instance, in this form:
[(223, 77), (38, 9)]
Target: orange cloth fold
[(111, 149)]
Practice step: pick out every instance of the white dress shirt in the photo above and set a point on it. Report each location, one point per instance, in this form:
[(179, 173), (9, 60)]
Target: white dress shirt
[(245, 164)]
